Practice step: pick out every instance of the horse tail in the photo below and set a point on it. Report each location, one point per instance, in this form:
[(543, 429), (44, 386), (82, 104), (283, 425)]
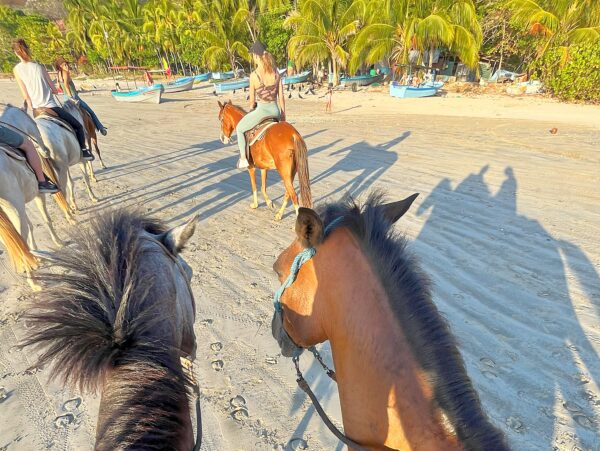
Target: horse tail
[(19, 253), (60, 196), (301, 157)]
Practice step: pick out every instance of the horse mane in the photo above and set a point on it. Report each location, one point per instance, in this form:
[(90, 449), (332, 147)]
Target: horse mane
[(98, 314), (427, 332)]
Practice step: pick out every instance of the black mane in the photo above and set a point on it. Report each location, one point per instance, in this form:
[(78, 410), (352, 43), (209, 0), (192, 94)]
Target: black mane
[(98, 314), (428, 334)]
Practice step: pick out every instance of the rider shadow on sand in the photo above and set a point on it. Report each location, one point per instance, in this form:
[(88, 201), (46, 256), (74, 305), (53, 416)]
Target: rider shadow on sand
[(372, 161), (501, 276)]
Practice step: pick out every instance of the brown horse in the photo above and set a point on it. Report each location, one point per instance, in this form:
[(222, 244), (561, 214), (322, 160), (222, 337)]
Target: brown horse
[(118, 317), (401, 379), (281, 148)]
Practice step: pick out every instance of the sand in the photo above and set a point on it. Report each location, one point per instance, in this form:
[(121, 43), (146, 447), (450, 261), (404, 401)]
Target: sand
[(507, 225)]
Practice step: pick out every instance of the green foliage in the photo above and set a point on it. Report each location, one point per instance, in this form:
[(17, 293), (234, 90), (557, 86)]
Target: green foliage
[(274, 35), (572, 73)]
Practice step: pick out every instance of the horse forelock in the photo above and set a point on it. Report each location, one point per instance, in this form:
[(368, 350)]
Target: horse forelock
[(427, 333)]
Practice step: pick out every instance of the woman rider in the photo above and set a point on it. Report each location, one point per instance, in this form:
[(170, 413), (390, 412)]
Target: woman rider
[(38, 90), (68, 88), (266, 97), (14, 139)]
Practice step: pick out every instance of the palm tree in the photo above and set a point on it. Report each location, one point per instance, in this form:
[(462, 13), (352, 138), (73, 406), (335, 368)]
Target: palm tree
[(226, 33), (323, 29), (559, 23), (398, 26)]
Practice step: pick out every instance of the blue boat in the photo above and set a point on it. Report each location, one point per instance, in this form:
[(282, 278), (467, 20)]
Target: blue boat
[(232, 85), (222, 75), (432, 84), (302, 77), (202, 77), (411, 92), (179, 85), (361, 80), (149, 94)]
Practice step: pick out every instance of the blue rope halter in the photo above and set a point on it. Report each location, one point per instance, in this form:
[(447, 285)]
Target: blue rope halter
[(300, 259)]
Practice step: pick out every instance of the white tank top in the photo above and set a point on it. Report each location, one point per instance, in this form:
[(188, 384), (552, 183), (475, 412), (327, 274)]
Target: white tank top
[(32, 76)]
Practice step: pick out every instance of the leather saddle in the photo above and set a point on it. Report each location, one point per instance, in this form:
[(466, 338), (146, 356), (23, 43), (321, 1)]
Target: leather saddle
[(15, 154), (257, 133), (49, 114)]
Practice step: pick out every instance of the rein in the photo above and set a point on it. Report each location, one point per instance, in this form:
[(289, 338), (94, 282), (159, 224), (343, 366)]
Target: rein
[(300, 260)]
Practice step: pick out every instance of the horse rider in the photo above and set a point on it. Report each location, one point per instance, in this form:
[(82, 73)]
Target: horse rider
[(14, 139), (70, 92), (266, 97), (37, 90)]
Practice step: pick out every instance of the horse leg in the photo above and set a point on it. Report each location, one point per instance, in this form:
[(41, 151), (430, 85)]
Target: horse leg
[(289, 188), (70, 193), (90, 170), (252, 172), (40, 202), (86, 180), (95, 140), (263, 179), (279, 214)]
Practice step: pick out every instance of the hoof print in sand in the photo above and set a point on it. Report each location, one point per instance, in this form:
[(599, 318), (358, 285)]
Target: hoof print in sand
[(62, 421), (4, 394), (71, 404), (296, 444), (271, 360), (515, 424), (217, 365), (216, 347), (239, 411)]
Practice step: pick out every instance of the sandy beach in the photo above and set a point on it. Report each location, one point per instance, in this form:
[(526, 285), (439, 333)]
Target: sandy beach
[(506, 224)]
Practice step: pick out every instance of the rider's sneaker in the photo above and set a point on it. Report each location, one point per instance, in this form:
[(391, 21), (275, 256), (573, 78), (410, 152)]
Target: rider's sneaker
[(87, 155), (47, 187), (103, 131), (242, 163)]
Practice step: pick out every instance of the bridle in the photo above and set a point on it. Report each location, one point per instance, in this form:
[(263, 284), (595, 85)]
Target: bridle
[(290, 349), (186, 363)]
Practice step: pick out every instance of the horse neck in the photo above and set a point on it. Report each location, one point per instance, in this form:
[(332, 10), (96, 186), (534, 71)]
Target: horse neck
[(236, 115), (144, 405), (384, 394)]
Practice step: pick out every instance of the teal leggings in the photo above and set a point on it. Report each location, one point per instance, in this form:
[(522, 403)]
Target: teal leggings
[(252, 119)]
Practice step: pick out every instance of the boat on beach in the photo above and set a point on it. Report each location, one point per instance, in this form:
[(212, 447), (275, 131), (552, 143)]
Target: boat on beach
[(202, 77), (222, 75), (412, 92), (147, 94), (231, 85), (361, 80), (179, 85), (302, 77)]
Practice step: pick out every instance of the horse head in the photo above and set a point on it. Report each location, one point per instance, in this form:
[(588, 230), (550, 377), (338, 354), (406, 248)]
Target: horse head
[(229, 116)]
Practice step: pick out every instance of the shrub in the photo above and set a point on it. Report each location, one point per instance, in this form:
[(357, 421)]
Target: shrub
[(573, 73)]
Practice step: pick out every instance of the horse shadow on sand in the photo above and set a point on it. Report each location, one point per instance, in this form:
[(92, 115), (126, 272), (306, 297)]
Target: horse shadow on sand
[(535, 299), (371, 160)]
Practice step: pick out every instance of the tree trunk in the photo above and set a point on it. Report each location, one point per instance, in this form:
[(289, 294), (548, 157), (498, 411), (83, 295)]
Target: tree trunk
[(431, 50), (502, 44), (335, 70)]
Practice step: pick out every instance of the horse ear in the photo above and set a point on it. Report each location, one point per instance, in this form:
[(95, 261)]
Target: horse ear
[(309, 228), (230, 102), (176, 238), (395, 210), (220, 104)]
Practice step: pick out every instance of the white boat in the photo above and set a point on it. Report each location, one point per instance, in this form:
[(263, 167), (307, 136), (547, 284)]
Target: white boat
[(148, 94), (182, 84)]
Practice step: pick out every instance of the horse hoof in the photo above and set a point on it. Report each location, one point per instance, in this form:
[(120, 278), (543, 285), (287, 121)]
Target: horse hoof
[(254, 206), (278, 217), (95, 200), (271, 205)]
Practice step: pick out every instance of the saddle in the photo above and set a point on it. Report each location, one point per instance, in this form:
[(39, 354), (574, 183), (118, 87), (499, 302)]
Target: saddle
[(49, 114), (257, 133), (16, 154)]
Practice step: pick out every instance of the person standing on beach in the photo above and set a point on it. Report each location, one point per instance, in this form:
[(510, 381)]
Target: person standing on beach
[(329, 98), (38, 91), (70, 92), (266, 97)]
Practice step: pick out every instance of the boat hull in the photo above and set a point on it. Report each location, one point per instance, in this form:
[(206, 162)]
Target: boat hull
[(294, 79), (222, 75), (183, 84), (411, 92), (362, 80), (150, 94), (232, 85), (202, 77)]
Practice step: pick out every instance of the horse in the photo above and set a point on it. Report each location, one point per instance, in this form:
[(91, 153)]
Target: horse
[(65, 152), (117, 317), (92, 140), (401, 379), (280, 148)]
